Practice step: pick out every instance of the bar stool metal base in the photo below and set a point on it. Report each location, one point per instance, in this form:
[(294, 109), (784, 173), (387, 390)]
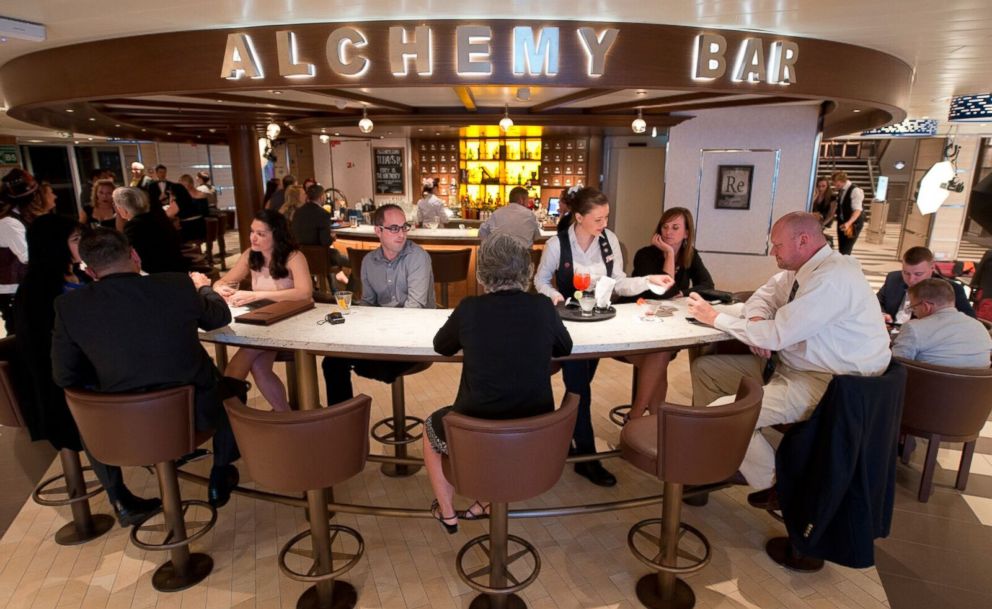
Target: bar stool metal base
[(343, 596), (647, 592), (619, 413), (168, 579), (781, 551), (509, 601), (72, 534), (394, 470)]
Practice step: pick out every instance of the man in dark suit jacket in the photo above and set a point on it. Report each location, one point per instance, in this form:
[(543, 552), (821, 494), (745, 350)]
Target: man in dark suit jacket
[(150, 343), (312, 226), (917, 265), (151, 235)]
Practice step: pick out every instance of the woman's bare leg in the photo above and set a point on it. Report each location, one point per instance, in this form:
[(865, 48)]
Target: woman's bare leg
[(442, 488), (270, 386), (652, 381)]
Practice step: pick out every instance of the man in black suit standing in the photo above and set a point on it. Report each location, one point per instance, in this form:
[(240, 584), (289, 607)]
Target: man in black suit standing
[(917, 265), (150, 342)]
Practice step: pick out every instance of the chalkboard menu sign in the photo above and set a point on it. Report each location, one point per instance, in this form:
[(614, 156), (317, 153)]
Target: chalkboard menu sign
[(388, 171)]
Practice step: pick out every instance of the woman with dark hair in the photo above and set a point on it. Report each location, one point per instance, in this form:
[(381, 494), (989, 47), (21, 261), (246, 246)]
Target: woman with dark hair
[(671, 252), (278, 271), (586, 245), (505, 334), (53, 243)]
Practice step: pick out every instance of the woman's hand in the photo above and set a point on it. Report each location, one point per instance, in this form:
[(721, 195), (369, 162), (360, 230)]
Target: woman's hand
[(659, 243), (172, 210), (663, 280), (224, 289), (242, 297), (199, 280), (556, 299)]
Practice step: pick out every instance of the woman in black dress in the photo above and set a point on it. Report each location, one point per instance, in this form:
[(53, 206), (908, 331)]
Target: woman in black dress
[(102, 211), (507, 338), (671, 252)]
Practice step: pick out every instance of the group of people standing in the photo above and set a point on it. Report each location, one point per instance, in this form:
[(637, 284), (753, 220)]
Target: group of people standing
[(841, 200)]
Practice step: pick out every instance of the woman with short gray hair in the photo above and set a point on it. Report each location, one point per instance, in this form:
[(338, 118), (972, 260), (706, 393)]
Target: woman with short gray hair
[(507, 338)]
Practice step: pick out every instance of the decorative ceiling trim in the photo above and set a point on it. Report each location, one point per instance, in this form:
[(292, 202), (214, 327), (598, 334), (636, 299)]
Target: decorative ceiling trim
[(570, 98)]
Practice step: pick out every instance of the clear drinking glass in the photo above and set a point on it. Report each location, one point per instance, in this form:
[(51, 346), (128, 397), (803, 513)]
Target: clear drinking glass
[(343, 299), (587, 303)]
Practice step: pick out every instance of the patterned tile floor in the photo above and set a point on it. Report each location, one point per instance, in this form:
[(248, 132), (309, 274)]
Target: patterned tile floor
[(935, 557)]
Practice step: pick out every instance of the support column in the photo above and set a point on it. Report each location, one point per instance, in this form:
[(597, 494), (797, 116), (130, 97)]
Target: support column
[(246, 169)]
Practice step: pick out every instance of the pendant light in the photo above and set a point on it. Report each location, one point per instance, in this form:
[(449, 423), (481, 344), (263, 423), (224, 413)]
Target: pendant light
[(638, 125), (365, 125), (272, 131), (506, 122)]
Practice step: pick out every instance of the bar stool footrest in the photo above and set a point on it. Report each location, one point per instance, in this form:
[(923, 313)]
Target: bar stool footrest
[(312, 577), (42, 489), (201, 528), (654, 561), (483, 541), (618, 414), (410, 423)]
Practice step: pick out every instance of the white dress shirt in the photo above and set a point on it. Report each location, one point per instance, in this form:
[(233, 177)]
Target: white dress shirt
[(13, 236), (589, 261), (947, 337), (833, 325)]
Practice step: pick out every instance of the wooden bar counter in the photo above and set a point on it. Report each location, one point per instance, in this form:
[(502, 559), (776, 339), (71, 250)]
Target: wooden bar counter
[(438, 239)]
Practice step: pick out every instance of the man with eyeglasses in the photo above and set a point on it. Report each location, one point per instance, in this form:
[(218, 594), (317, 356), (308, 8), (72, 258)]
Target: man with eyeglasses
[(917, 266), (397, 274), (940, 334)]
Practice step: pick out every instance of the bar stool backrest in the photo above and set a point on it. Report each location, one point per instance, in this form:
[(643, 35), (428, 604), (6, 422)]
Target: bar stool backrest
[(953, 403), (450, 266), (318, 259), (707, 445), (10, 407), (508, 460), (134, 429), (303, 450), (355, 257)]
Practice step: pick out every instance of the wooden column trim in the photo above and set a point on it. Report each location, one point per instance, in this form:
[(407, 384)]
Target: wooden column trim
[(246, 169)]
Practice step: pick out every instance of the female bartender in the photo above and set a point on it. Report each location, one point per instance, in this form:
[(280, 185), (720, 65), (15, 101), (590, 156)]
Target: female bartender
[(589, 245)]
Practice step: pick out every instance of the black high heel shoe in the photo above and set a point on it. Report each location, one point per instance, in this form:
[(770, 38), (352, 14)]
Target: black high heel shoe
[(436, 513)]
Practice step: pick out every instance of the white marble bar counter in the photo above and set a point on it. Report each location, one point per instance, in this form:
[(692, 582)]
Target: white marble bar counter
[(408, 334), (436, 236)]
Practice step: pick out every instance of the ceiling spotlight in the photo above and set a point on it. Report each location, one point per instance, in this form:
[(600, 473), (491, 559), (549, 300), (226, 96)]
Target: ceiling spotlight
[(654, 132), (365, 125), (337, 133), (272, 131), (340, 104), (506, 122), (899, 165), (324, 138), (638, 124), (640, 93), (65, 134), (523, 94)]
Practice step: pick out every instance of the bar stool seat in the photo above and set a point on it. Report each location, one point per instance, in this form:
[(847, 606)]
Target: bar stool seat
[(135, 429), (500, 461), (310, 451), (449, 266), (76, 490), (684, 445)]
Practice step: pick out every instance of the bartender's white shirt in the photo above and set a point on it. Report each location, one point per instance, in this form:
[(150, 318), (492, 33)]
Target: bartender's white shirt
[(589, 261)]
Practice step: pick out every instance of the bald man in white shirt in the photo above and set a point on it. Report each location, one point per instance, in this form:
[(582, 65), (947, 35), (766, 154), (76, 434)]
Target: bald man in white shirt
[(816, 319)]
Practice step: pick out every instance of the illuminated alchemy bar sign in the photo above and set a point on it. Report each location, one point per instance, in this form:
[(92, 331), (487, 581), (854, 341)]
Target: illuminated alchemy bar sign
[(532, 51)]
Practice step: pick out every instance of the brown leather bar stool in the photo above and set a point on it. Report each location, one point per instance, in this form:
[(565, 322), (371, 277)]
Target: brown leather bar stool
[(449, 266), (944, 404), (684, 445), (400, 429), (310, 451), (77, 490), (135, 429), (292, 390), (319, 260), (210, 235), (355, 257), (499, 462)]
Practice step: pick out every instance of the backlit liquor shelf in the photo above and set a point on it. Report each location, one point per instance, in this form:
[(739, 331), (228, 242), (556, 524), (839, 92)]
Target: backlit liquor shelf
[(477, 170)]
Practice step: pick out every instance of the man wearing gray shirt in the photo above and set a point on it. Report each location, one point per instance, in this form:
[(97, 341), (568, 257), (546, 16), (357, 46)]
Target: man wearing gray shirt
[(940, 334), (513, 219), (397, 274)]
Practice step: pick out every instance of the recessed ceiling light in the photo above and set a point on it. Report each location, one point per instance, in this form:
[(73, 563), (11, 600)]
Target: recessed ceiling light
[(117, 124), (337, 133), (90, 139), (69, 110), (419, 129), (389, 133), (92, 119), (640, 93), (144, 130), (382, 137), (857, 110), (169, 133), (220, 101)]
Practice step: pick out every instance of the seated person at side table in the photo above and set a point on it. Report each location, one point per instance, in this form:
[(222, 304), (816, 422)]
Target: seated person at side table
[(152, 236), (508, 338), (816, 319), (153, 344), (311, 225), (513, 219), (396, 274), (917, 265), (940, 334), (671, 253)]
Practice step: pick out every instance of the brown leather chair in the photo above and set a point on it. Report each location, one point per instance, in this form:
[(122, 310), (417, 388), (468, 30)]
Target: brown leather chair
[(449, 266), (319, 260), (684, 445), (944, 405), (209, 237), (355, 257), (499, 462), (225, 220), (310, 451), (76, 491), (136, 429)]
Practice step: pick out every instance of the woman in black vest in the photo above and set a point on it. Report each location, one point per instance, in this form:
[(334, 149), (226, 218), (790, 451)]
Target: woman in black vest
[(588, 245)]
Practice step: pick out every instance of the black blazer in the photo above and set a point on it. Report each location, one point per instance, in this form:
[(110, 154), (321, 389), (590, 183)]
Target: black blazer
[(651, 260), (312, 225), (157, 242), (508, 339), (129, 332), (893, 292), (836, 471)]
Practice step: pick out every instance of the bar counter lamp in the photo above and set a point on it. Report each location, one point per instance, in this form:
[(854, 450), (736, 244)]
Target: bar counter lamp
[(639, 125), (506, 122), (272, 131), (365, 125)]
